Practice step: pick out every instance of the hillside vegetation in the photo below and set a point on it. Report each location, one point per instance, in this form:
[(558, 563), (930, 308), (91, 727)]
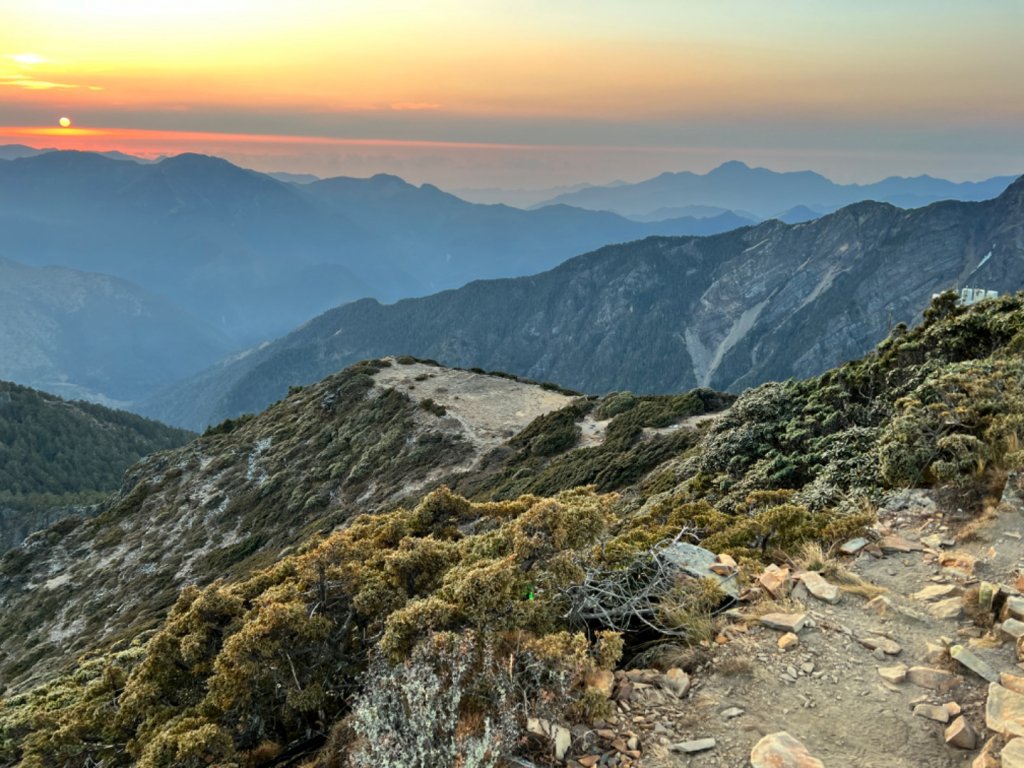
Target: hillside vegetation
[(426, 633), (55, 454)]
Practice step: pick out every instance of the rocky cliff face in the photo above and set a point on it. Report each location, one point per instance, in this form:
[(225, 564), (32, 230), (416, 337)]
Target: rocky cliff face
[(662, 314)]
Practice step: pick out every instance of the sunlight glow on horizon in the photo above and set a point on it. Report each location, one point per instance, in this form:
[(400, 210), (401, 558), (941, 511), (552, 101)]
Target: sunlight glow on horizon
[(937, 77)]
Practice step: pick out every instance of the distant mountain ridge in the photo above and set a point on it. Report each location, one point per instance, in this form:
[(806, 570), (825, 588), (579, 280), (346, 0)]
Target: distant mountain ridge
[(95, 337), (766, 302), (256, 256), (738, 187)]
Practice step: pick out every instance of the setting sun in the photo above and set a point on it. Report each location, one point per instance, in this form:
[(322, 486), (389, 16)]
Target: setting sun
[(65, 122)]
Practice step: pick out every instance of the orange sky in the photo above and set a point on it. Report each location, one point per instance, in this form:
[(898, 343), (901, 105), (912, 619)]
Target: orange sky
[(491, 93)]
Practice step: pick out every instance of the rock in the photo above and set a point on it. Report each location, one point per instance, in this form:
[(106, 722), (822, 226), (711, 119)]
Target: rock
[(676, 682), (588, 761), (722, 569), (953, 708), (784, 622), (820, 588), (971, 660), (1012, 628), (932, 712), (881, 605), (1014, 683), (1012, 755), (780, 750), (602, 681), (951, 608), (958, 563), (562, 738), (1014, 608), (624, 691), (725, 559), (853, 546), (1019, 649), (934, 592), (895, 674), (788, 641), (884, 644), (987, 592), (930, 677), (959, 734), (689, 747), (775, 580), (934, 653), (893, 543), (1004, 711), (731, 713), (985, 758)]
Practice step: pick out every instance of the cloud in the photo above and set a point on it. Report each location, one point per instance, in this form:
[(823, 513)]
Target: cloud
[(403, 106), (31, 84), (27, 58)]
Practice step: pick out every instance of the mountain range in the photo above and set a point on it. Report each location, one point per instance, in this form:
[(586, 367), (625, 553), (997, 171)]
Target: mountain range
[(255, 256), (662, 314), (765, 193)]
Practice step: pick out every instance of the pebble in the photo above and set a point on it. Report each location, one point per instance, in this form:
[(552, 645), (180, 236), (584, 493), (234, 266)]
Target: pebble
[(696, 745)]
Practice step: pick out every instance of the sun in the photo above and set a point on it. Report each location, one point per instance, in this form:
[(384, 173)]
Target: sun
[(65, 122)]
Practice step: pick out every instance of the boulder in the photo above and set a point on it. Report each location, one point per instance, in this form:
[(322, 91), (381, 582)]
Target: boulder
[(959, 734)]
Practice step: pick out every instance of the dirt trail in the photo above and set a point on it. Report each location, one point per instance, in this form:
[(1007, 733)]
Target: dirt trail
[(827, 691)]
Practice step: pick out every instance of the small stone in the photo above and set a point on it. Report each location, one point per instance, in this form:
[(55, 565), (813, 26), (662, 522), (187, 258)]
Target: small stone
[(689, 747), (884, 644), (986, 595), (895, 674), (881, 605), (721, 569), (775, 580), (929, 677), (958, 563), (934, 653), (788, 641), (894, 543), (953, 708), (676, 682), (1014, 608), (780, 750), (588, 761), (853, 546), (725, 559), (985, 758), (784, 622), (951, 608), (732, 712), (971, 660), (1004, 711), (932, 712), (934, 592), (1012, 628), (820, 588), (562, 738), (602, 681), (1012, 755), (959, 734), (1013, 682)]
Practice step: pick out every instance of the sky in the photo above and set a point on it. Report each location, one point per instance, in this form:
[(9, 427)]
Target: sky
[(525, 93)]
